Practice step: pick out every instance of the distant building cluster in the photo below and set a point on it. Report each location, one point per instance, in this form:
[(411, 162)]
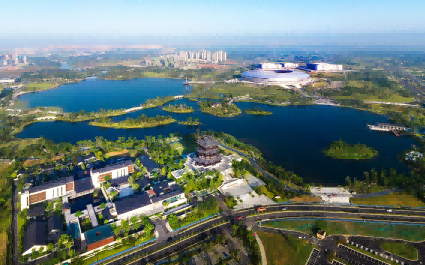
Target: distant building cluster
[(187, 57), (326, 67), (9, 60)]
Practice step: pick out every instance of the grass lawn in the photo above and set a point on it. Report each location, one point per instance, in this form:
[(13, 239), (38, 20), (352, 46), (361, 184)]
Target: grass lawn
[(117, 153), (394, 198), (38, 87), (185, 146), (401, 249), (285, 250), (107, 253), (306, 198), (355, 227), (393, 98)]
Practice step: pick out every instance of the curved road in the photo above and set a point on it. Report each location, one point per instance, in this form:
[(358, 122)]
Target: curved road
[(293, 211)]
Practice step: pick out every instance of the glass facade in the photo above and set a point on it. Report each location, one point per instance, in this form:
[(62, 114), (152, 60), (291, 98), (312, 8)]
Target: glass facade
[(173, 199)]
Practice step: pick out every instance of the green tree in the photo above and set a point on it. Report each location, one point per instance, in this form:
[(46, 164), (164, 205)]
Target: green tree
[(348, 181), (148, 228), (78, 213), (102, 206), (83, 167)]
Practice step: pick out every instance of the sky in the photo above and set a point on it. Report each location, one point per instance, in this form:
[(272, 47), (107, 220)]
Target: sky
[(79, 19)]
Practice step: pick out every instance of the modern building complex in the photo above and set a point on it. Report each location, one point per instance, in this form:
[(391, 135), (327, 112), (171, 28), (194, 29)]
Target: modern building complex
[(325, 67), (48, 191), (269, 76), (120, 169)]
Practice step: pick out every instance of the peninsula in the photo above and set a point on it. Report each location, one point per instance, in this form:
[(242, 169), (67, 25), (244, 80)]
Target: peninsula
[(140, 122), (343, 150)]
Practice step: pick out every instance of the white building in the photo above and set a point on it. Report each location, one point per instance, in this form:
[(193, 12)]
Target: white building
[(324, 67), (7, 80), (48, 191), (290, 65), (271, 66), (150, 202), (117, 170)]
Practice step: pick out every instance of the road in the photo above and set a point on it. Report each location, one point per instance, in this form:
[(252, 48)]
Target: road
[(308, 211)]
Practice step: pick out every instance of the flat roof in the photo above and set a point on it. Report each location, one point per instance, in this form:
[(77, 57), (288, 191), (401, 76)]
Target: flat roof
[(148, 163), (114, 166), (35, 235), (169, 191), (51, 184), (132, 202), (98, 233), (83, 185)]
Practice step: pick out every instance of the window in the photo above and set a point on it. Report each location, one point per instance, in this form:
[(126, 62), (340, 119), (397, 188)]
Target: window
[(99, 233), (28, 201), (61, 191)]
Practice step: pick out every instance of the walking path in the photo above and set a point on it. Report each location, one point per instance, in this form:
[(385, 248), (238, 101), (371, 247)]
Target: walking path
[(392, 103), (263, 251)]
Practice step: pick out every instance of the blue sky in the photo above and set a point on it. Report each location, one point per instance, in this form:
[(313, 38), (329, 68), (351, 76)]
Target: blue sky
[(46, 18)]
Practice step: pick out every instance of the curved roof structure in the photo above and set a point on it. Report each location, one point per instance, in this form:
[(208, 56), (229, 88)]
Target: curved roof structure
[(275, 75)]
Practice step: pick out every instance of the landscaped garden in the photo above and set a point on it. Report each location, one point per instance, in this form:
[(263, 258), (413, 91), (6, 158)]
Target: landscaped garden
[(355, 227), (395, 198), (203, 210)]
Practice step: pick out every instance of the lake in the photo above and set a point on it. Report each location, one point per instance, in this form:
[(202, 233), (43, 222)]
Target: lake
[(95, 94), (293, 137)]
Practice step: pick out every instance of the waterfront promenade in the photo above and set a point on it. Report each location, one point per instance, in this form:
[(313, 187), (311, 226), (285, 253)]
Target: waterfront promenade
[(140, 108)]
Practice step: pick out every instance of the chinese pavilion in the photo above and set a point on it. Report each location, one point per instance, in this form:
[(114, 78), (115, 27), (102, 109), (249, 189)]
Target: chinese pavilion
[(208, 153)]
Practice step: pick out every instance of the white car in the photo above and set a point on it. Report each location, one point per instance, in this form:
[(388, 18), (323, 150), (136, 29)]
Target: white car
[(389, 210)]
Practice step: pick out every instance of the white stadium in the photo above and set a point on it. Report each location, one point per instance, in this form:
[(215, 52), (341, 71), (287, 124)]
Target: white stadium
[(276, 76)]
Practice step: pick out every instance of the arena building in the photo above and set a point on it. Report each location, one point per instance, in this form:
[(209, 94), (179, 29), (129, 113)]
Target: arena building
[(276, 77)]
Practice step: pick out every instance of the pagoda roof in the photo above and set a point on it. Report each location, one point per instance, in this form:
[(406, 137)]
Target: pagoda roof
[(207, 140)]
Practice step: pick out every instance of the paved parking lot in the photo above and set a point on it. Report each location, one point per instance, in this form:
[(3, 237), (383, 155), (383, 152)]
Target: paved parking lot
[(328, 194)]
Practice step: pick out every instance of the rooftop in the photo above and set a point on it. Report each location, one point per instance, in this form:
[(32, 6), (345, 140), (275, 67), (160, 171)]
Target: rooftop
[(119, 181), (83, 185), (35, 235), (88, 157), (114, 166), (148, 163), (132, 202), (207, 140), (163, 191), (51, 184), (36, 211), (54, 223), (98, 233)]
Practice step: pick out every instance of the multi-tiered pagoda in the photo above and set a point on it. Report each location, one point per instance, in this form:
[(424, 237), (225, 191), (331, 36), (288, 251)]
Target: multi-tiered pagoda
[(208, 153)]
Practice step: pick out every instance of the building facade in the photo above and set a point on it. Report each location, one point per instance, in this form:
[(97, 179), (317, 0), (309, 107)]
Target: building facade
[(324, 67), (48, 191), (117, 170)]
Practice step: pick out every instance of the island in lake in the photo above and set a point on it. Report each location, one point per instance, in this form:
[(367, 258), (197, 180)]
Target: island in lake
[(343, 150), (182, 108), (140, 122), (258, 111), (190, 121), (218, 109)]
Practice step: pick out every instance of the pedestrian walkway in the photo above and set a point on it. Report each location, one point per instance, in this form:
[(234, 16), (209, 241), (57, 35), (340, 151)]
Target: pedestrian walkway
[(262, 250), (92, 216)]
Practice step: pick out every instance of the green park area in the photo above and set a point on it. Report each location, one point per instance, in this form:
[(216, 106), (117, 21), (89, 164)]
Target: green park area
[(140, 122), (39, 86), (369, 85), (343, 150), (401, 249), (395, 198), (185, 146), (285, 249), (355, 227)]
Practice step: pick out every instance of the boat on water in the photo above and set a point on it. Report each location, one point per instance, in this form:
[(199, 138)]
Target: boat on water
[(186, 83)]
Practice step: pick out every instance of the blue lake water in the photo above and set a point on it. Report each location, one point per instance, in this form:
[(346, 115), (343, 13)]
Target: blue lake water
[(95, 94), (293, 137)]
